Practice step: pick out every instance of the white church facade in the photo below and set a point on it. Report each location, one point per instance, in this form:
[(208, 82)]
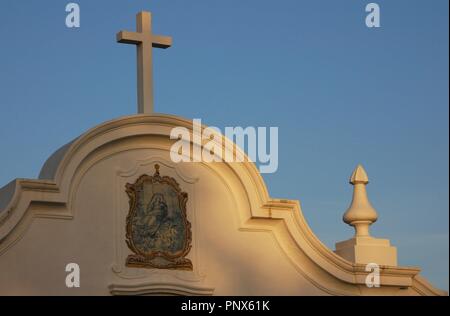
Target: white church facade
[(114, 203)]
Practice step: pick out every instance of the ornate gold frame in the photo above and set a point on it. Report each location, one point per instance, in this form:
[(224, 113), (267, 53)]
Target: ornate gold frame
[(157, 259)]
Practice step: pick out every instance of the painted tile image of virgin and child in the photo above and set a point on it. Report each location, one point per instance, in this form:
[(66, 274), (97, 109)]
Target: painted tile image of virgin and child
[(158, 225)]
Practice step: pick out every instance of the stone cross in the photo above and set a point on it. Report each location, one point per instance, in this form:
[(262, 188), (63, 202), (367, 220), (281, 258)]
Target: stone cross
[(145, 41)]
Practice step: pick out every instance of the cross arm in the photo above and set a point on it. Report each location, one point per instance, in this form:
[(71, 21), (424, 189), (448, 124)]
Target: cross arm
[(129, 37), (161, 41)]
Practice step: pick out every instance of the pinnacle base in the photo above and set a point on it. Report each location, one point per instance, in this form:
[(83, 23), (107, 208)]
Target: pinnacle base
[(367, 250)]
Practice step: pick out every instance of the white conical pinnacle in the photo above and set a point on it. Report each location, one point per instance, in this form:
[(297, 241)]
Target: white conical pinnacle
[(360, 214)]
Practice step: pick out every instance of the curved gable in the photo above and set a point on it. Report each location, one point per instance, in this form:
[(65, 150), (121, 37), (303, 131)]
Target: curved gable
[(69, 177)]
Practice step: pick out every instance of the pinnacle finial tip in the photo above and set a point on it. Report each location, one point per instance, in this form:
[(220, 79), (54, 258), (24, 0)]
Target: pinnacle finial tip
[(359, 175)]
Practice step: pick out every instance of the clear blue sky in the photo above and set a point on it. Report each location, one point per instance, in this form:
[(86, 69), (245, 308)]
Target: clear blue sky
[(340, 93)]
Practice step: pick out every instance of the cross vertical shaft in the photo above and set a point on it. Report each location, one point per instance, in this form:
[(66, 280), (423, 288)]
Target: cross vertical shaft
[(145, 41), (144, 66)]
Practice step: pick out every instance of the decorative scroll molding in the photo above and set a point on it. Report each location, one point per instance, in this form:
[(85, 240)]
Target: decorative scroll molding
[(160, 289)]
